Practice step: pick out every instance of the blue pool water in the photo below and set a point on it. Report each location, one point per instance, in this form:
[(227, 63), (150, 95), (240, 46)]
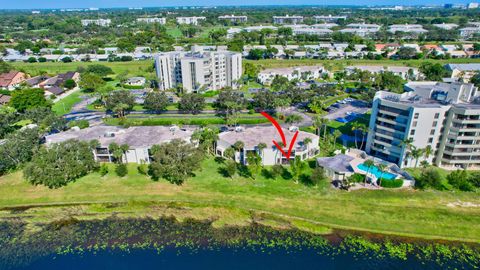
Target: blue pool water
[(375, 171)]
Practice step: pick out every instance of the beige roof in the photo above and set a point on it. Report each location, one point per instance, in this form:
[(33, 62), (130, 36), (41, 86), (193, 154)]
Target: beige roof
[(253, 136)]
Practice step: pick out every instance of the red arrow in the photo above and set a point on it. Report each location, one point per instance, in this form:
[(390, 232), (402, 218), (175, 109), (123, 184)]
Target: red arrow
[(282, 135)]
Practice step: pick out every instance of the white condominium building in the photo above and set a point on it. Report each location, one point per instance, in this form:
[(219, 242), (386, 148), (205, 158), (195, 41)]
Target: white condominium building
[(287, 19), (445, 117), (361, 29), (407, 28), (152, 20), (100, 22), (328, 18), (198, 70), (446, 26), (190, 20), (233, 18)]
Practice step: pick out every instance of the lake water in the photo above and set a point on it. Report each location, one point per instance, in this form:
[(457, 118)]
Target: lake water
[(166, 243), (223, 258)]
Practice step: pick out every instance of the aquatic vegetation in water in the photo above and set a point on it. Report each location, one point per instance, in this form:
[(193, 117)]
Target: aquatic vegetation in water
[(19, 246)]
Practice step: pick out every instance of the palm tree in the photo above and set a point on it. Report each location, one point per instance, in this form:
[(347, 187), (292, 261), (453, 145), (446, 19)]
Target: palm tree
[(381, 167), (238, 146), (363, 130), (355, 128), (369, 163), (261, 147), (306, 142), (416, 154), (336, 135), (229, 153), (424, 164), (427, 152)]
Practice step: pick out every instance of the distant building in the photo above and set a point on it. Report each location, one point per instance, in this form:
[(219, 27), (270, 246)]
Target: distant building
[(361, 29), (198, 69), (407, 28), (472, 5), (287, 19), (12, 79), (99, 22), (470, 31), (406, 73), (443, 116), (139, 139), (463, 72), (234, 18), (190, 20), (152, 20), (254, 136), (446, 26), (136, 81), (304, 73), (328, 18)]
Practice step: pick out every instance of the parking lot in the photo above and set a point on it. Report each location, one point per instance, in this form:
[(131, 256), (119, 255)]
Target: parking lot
[(347, 109)]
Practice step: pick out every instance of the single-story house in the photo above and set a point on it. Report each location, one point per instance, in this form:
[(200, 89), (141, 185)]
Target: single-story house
[(139, 139), (463, 71), (36, 81), (4, 99), (136, 81), (253, 136), (12, 79)]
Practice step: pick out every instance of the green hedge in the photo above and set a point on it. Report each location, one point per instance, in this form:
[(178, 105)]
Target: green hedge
[(183, 121), (126, 86), (395, 183)]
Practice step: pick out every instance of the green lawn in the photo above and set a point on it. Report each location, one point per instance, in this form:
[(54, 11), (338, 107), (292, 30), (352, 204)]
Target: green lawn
[(339, 64), (65, 105), (182, 119), (427, 214)]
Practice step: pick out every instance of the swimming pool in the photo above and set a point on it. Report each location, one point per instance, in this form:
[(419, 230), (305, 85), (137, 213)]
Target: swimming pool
[(375, 171)]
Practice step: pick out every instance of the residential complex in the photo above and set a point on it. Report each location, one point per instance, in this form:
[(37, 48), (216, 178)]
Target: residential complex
[(407, 73), (443, 116), (361, 29), (255, 136), (287, 19), (152, 20), (463, 72), (328, 18), (233, 18), (471, 30), (99, 22), (198, 69), (11, 80), (266, 76), (407, 28), (139, 139), (190, 20)]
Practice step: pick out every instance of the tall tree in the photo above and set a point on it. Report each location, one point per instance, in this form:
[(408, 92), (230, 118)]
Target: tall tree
[(174, 161), (28, 98), (156, 101), (191, 103)]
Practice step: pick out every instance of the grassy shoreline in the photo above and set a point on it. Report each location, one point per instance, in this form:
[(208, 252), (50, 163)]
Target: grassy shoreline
[(420, 214)]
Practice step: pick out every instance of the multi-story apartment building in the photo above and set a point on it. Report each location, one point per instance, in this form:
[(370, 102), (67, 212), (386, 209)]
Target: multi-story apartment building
[(99, 22), (234, 18), (152, 20), (287, 19), (444, 116), (190, 20), (197, 69), (407, 28), (472, 29)]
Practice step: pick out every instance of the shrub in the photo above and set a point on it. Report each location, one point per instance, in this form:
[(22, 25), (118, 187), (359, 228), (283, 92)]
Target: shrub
[(103, 169), (277, 170), (80, 123), (142, 169), (394, 183), (429, 177), (121, 170), (459, 179), (356, 178)]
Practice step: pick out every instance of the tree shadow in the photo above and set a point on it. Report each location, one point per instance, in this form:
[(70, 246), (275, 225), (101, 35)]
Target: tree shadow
[(243, 171), (286, 174), (312, 163), (219, 160), (305, 180), (267, 174), (223, 172)]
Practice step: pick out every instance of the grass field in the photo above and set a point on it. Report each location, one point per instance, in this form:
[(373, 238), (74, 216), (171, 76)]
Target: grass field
[(335, 65), (65, 105), (134, 68), (426, 214)]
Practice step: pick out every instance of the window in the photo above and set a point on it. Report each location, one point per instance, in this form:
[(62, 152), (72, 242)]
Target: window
[(430, 140), (412, 132), (434, 124), (414, 123), (437, 115), (432, 132), (416, 115)]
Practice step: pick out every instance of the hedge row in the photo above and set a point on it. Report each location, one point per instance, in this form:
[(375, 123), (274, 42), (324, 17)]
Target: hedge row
[(395, 183)]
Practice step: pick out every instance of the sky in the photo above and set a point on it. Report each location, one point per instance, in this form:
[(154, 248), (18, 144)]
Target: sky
[(39, 4)]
